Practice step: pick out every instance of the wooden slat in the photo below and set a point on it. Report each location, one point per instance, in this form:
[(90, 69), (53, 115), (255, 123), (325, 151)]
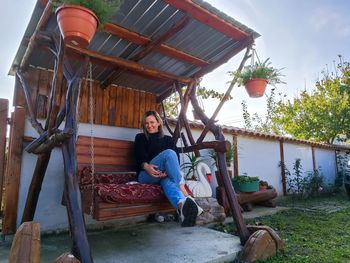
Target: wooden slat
[(44, 86), (84, 102), (124, 112), (148, 102), (112, 106), (13, 171), (131, 210), (98, 96), (142, 106), (131, 108), (4, 109), (118, 106), (136, 121), (105, 106)]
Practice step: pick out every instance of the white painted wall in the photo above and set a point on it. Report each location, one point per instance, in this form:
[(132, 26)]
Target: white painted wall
[(326, 164), (298, 151), (260, 158)]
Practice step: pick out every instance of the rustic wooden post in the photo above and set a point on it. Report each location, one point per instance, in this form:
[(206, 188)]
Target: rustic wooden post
[(313, 158), (235, 155), (216, 130), (283, 170), (13, 171), (80, 244), (4, 108)]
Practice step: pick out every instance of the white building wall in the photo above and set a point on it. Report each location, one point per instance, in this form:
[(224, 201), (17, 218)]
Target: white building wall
[(298, 151), (260, 158), (326, 164)]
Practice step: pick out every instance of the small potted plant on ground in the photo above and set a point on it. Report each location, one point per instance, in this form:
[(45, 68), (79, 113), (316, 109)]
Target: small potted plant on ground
[(263, 185), (245, 183), (78, 19), (255, 77)]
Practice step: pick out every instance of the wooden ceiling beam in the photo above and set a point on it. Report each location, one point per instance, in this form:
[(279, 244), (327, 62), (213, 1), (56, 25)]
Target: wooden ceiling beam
[(180, 24), (143, 41), (129, 65), (204, 16), (238, 48)]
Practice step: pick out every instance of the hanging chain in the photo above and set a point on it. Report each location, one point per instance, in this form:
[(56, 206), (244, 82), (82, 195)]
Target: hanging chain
[(254, 54), (92, 150), (77, 115)]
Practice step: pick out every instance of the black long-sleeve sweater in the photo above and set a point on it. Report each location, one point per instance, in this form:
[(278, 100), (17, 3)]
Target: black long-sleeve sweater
[(146, 149)]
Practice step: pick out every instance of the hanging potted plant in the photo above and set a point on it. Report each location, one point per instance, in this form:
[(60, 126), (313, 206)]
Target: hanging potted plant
[(256, 76), (78, 19)]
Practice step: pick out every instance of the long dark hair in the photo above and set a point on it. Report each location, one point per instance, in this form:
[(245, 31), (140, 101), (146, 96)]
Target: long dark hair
[(158, 118)]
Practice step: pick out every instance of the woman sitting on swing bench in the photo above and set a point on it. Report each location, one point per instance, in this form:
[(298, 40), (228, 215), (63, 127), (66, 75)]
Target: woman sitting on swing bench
[(158, 163)]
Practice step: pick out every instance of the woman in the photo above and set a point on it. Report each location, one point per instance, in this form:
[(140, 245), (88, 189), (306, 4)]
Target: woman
[(158, 163)]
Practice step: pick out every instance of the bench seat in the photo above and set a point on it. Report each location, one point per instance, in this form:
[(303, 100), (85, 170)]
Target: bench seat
[(113, 191)]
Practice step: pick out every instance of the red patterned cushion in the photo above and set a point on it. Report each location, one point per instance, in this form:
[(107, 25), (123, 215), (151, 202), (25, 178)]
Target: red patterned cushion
[(130, 193), (105, 178)]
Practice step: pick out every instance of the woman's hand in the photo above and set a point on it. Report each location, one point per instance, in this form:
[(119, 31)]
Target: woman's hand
[(152, 170)]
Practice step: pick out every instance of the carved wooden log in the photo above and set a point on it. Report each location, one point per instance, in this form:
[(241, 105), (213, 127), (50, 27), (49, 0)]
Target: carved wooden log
[(26, 244), (256, 197)]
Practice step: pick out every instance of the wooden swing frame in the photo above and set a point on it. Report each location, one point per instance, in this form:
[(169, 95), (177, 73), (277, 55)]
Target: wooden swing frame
[(50, 136)]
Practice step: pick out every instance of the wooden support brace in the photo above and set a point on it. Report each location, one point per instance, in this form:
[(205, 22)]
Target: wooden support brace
[(218, 146), (54, 140)]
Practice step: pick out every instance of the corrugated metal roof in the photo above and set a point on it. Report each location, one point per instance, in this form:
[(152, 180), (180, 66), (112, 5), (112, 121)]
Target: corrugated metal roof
[(151, 19)]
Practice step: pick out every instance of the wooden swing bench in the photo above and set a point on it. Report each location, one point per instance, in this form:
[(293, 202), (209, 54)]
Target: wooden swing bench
[(112, 192)]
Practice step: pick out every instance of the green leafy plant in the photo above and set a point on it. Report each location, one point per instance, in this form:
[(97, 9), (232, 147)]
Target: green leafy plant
[(314, 183), (241, 179), (103, 9), (262, 70), (191, 166)]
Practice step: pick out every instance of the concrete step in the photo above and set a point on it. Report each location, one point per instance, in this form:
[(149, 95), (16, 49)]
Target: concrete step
[(151, 242)]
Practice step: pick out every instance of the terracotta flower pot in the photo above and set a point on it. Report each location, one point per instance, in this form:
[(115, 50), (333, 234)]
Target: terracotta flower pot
[(256, 87), (262, 187), (77, 24)]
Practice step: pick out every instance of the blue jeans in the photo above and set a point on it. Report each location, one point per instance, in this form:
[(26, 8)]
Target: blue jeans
[(166, 161)]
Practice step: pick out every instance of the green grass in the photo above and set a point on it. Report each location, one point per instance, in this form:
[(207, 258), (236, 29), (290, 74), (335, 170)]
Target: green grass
[(315, 230)]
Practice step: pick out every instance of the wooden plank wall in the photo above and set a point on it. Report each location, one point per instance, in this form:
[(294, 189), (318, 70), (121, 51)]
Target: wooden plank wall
[(114, 106), (4, 110)]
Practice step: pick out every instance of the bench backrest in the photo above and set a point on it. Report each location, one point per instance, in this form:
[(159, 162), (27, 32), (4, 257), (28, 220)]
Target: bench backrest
[(109, 154)]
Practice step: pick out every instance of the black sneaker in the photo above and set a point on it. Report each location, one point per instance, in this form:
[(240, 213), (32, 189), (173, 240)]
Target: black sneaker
[(188, 213)]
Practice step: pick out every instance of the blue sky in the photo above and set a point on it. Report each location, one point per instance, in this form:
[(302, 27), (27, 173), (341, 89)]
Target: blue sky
[(301, 36)]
